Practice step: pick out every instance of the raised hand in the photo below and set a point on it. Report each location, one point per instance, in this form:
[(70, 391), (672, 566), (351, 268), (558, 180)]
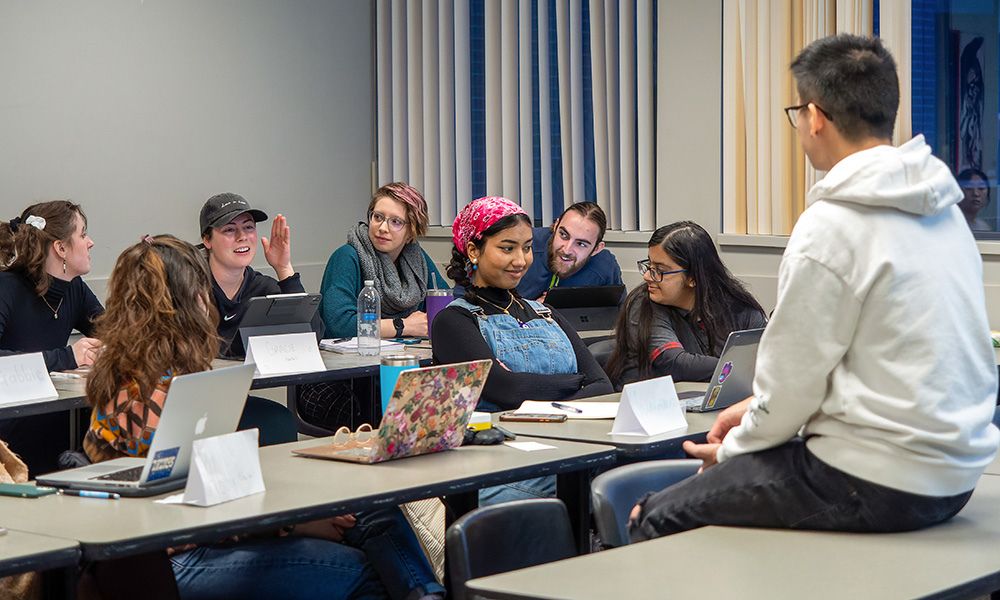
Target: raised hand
[(278, 248)]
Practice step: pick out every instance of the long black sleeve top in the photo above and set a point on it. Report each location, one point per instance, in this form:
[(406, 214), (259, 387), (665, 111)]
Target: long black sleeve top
[(679, 345), (32, 323), (231, 311), (456, 337)]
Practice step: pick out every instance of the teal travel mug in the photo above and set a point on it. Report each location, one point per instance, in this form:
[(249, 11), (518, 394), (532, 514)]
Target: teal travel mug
[(392, 365)]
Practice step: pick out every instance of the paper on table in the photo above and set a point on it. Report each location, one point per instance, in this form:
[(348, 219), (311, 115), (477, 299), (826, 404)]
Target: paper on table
[(648, 408), (591, 410), (528, 446), (284, 354), (350, 346), (223, 468), (23, 377)]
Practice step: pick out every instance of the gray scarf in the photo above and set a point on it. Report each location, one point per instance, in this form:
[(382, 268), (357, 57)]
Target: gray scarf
[(402, 285)]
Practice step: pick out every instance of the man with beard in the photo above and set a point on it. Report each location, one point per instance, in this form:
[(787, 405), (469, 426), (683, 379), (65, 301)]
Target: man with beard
[(573, 251)]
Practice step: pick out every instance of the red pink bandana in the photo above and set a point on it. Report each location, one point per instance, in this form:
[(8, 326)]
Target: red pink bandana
[(478, 216)]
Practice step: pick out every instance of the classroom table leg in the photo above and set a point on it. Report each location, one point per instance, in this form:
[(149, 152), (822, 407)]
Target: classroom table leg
[(59, 583), (574, 490), (456, 505)]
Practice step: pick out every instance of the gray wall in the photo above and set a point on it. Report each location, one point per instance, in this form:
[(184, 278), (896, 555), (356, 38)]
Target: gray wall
[(142, 109)]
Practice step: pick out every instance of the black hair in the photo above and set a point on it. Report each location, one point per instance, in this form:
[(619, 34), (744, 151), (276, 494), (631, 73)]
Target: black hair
[(718, 297), (965, 178), (459, 269), (853, 79)]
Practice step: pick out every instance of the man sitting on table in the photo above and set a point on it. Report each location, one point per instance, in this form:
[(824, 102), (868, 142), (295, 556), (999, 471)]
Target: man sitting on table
[(573, 252), (875, 380)]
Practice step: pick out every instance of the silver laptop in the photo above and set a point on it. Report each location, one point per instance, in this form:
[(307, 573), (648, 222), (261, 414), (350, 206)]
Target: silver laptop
[(733, 377), (197, 406)]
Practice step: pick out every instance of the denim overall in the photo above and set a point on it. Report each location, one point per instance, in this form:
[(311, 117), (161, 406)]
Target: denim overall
[(539, 346)]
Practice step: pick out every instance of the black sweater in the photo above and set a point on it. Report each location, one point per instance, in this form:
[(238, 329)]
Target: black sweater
[(456, 337), (27, 323), (231, 311)]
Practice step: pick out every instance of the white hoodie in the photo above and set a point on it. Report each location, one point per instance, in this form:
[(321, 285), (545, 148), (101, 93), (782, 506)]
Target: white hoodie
[(878, 351)]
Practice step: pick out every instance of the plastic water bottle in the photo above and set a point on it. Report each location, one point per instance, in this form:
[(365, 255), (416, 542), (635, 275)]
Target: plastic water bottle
[(369, 313)]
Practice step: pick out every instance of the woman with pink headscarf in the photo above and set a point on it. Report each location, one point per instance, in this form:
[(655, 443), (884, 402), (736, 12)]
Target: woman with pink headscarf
[(537, 354)]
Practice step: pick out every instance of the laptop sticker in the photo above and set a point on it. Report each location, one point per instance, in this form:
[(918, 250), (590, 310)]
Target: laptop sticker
[(713, 397), (163, 463), (726, 370)]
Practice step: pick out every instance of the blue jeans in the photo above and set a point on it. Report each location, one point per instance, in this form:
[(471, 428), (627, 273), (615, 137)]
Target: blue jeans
[(536, 487), (389, 544), (787, 487), (289, 567)]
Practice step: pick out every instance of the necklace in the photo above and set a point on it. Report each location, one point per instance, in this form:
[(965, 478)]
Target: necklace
[(506, 309), (55, 311)]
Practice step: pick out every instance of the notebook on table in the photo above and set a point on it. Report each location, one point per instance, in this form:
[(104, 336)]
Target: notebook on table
[(197, 406), (428, 412), (732, 380)]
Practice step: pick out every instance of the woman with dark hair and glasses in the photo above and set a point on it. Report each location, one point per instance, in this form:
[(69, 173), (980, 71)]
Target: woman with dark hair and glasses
[(976, 187), (676, 323), (384, 249)]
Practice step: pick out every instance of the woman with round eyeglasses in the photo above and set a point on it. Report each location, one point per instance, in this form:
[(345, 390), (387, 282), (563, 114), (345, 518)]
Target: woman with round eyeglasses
[(676, 323), (383, 249)]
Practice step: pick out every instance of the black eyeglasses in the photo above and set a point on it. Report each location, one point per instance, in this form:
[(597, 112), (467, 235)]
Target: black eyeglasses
[(792, 112), (655, 274)]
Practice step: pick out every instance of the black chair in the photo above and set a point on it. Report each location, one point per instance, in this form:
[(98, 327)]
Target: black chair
[(275, 422), (614, 493), (601, 349), (504, 537)]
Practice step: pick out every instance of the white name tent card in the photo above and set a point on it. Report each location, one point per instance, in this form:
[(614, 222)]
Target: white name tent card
[(23, 378), (649, 407), (284, 354), (223, 468)]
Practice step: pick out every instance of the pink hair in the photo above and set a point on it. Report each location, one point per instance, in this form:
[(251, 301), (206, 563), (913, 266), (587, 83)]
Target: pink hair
[(412, 199)]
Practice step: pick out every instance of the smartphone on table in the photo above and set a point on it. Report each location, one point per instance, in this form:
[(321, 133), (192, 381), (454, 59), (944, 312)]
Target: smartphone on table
[(25, 490)]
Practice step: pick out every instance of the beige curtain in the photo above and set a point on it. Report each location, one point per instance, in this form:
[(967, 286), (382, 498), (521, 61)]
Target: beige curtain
[(765, 176)]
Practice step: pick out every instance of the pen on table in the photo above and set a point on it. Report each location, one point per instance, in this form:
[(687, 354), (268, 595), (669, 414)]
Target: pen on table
[(562, 406), (61, 375), (91, 494)]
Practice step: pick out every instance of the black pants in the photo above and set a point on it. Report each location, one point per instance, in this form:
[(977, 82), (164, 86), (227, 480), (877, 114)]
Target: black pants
[(787, 487)]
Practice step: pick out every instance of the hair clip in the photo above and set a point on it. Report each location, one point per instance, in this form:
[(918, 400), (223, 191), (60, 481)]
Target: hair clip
[(36, 222), (148, 239)]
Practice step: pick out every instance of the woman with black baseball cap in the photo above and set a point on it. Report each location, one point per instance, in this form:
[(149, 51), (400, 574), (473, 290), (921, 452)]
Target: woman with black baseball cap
[(229, 235)]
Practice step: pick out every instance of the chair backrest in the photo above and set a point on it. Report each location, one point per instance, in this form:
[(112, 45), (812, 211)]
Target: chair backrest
[(602, 349), (615, 492), (276, 423), (508, 536)]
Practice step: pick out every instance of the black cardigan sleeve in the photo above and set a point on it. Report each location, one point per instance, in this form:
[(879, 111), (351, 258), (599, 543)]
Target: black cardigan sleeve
[(456, 337)]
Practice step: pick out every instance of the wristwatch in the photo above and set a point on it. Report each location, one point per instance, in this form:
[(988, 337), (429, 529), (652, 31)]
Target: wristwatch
[(398, 324)]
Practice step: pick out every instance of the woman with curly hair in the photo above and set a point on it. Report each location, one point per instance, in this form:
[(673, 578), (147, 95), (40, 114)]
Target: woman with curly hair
[(676, 323), (44, 252), (161, 322)]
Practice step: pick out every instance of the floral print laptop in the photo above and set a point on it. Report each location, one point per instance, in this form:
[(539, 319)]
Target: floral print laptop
[(428, 412)]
